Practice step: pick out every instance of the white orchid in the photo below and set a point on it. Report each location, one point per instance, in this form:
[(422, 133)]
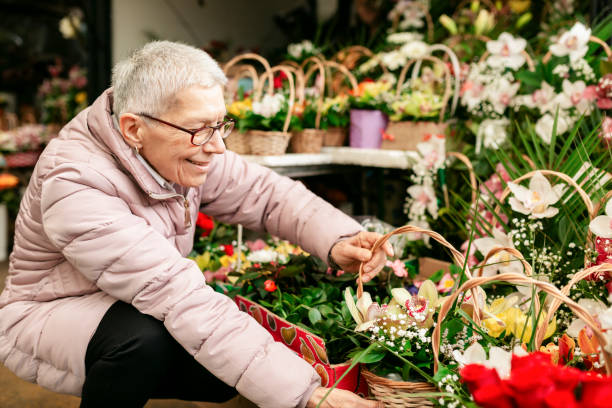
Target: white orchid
[(492, 133), (364, 312), (432, 152), (544, 126), (499, 359), (393, 59), (573, 43), (500, 93), (424, 198), (506, 52), (543, 98), (501, 262), (572, 96), (595, 309), (536, 200), (415, 49), (404, 37), (269, 105), (601, 226), (298, 50), (472, 94)]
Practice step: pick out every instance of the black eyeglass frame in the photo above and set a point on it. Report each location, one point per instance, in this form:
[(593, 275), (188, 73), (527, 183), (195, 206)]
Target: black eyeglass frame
[(194, 132)]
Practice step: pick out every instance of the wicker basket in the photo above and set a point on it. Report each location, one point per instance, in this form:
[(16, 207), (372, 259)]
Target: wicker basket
[(405, 135), (238, 142), (307, 141), (393, 393), (335, 136)]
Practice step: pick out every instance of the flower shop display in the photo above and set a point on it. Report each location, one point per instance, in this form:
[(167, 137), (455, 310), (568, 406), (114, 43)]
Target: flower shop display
[(369, 107), (409, 15), (408, 125), (335, 111), (62, 98), (22, 145)]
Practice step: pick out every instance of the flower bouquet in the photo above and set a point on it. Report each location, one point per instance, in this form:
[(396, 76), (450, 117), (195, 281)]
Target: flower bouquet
[(407, 127), (62, 98)]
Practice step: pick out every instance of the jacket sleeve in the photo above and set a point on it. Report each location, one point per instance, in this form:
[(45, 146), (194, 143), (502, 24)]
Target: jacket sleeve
[(129, 260), (239, 192)]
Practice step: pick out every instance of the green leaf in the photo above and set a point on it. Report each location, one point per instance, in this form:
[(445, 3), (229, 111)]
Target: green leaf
[(437, 276), (374, 356), (314, 316)]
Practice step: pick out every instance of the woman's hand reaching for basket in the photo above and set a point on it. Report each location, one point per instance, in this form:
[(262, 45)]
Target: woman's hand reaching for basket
[(339, 399), (351, 252)]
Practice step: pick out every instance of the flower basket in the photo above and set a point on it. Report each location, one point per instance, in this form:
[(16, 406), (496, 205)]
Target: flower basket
[(238, 142), (603, 246), (22, 159), (393, 393), (335, 136), (310, 140), (307, 345), (367, 128), (405, 135)]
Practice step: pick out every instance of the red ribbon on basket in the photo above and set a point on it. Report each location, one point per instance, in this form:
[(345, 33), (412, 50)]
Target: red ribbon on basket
[(387, 136)]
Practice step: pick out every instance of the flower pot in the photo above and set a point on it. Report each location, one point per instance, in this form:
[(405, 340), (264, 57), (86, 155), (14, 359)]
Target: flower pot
[(335, 136), (22, 159), (307, 141), (367, 127), (406, 135)]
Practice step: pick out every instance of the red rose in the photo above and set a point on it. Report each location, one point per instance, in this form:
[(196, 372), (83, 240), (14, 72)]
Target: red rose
[(476, 376), (596, 391), (270, 285), (205, 222), (229, 250)]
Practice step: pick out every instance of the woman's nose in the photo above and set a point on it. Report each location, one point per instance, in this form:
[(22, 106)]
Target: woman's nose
[(215, 144)]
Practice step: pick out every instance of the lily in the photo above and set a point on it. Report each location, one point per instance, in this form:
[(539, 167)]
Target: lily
[(601, 226), (573, 43), (501, 262), (536, 200), (364, 312), (506, 51), (499, 359)]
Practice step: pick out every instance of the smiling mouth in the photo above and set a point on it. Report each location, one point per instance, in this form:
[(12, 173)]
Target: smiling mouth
[(197, 163)]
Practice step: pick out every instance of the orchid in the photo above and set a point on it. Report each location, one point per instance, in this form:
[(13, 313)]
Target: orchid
[(574, 96), (420, 307), (500, 94), (506, 52), (542, 99), (535, 200), (573, 43), (432, 153), (492, 133), (594, 307), (499, 359), (398, 267), (364, 312), (544, 126), (601, 225), (502, 261), (424, 198)]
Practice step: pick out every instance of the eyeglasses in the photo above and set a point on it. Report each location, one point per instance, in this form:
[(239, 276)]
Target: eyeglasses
[(202, 135)]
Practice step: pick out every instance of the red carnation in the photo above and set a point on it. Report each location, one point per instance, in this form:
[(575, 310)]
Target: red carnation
[(229, 250)]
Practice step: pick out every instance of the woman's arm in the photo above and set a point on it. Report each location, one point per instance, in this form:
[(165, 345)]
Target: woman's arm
[(128, 259)]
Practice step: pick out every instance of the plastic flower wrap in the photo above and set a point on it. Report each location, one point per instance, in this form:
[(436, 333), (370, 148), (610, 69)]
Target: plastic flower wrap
[(416, 105)]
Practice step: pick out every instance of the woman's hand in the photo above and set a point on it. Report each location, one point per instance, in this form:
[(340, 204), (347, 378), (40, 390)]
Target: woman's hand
[(340, 399), (351, 252)]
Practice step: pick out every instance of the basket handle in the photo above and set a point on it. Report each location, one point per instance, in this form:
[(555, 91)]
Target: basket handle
[(357, 51), (428, 20), (517, 278), (289, 72), (473, 183), (344, 70), (256, 57), (317, 65), (554, 305), (447, 82), (530, 63), (594, 39), (456, 68), (247, 70)]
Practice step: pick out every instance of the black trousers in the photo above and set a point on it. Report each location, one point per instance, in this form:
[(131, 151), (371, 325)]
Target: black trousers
[(132, 357)]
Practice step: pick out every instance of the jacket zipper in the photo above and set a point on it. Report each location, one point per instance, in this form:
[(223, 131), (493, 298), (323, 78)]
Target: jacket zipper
[(186, 204)]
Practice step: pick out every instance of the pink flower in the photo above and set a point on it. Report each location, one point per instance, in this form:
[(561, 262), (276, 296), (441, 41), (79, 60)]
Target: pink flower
[(501, 170), (590, 93), (606, 130), (446, 283), (256, 245), (399, 269)]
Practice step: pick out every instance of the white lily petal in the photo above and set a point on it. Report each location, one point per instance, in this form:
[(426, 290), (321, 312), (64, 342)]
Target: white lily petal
[(363, 304), (500, 360), (401, 295), (548, 213), (574, 328), (350, 303), (601, 226), (475, 354)]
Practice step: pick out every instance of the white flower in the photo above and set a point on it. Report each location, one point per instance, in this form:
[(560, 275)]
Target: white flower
[(543, 98), (472, 94), (410, 15), (561, 70), (572, 97), (500, 93), (601, 226), (573, 43), (415, 49), (594, 307), (492, 132), (405, 37), (364, 312), (499, 359), (432, 154), (297, 50), (535, 200), (424, 198), (393, 59), (269, 106), (506, 52), (501, 262), (369, 65), (263, 256), (544, 126)]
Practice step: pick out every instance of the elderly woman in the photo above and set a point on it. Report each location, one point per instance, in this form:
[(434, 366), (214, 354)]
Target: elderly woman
[(100, 300)]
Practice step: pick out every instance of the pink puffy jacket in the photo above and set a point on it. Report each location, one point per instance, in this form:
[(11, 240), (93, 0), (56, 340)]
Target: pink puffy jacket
[(94, 226)]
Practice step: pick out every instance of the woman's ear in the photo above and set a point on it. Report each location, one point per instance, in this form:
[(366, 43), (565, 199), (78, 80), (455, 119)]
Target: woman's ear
[(131, 129)]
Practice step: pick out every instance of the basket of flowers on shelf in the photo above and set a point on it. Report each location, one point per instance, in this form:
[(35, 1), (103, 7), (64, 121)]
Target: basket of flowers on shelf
[(22, 145)]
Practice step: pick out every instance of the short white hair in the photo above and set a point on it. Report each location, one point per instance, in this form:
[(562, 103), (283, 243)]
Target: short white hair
[(148, 80)]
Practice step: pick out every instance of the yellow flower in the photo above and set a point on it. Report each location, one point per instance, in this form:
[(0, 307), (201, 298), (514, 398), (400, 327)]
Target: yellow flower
[(202, 260), (240, 108), (226, 261), (519, 6), (81, 98)]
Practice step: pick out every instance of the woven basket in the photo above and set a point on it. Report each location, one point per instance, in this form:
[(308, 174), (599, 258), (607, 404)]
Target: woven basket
[(307, 141), (405, 135), (238, 142), (393, 393), (335, 136)]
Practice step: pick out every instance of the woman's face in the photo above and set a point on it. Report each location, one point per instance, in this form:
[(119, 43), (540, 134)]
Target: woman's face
[(170, 151)]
